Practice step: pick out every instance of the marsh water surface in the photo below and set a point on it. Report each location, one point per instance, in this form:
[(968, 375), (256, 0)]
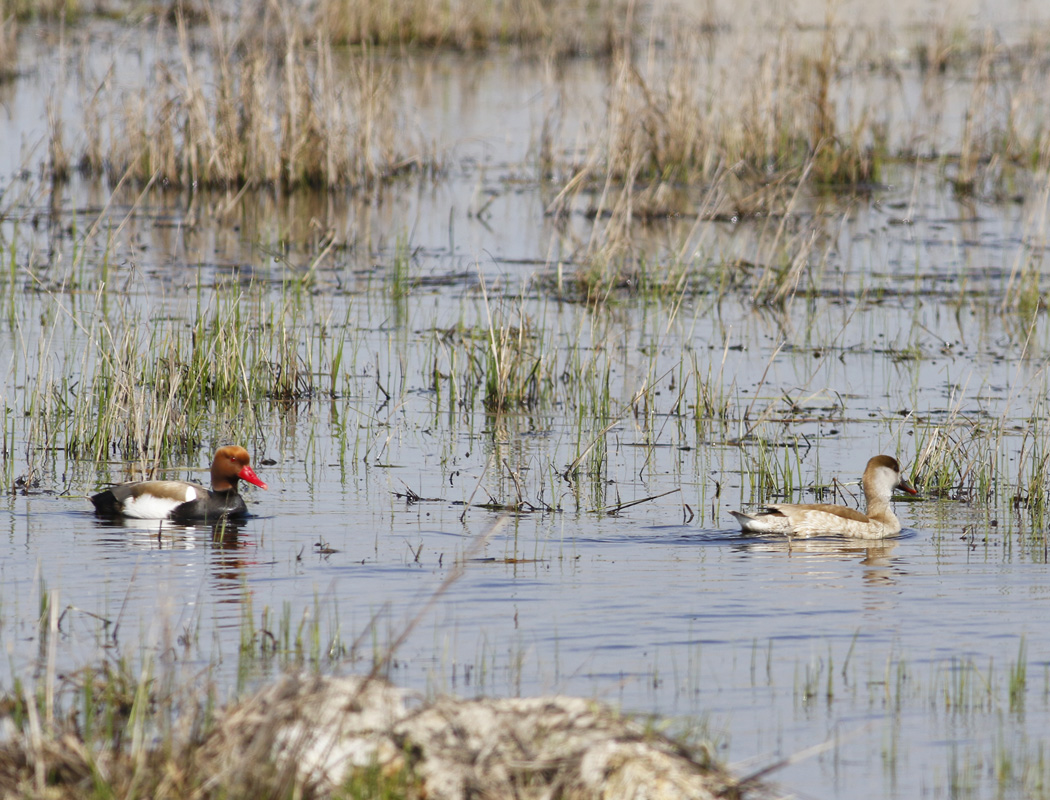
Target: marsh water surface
[(381, 323)]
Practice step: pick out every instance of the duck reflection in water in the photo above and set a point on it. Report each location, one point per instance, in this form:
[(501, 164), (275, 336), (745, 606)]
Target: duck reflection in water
[(227, 548), (875, 555)]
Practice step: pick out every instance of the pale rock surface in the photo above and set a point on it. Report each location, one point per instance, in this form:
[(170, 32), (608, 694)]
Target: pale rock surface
[(321, 728)]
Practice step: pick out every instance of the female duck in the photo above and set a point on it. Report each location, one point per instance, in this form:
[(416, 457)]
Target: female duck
[(881, 477), (182, 501)]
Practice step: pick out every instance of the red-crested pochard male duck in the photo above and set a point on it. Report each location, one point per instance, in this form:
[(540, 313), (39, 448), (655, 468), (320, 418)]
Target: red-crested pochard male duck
[(181, 501), (881, 477)]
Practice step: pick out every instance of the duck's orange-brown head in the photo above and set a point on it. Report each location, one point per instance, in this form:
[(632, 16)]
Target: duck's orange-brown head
[(232, 463)]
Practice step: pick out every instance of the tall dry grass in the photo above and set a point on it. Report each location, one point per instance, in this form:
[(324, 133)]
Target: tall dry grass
[(251, 108), (567, 28), (677, 118), (275, 96), (46, 10)]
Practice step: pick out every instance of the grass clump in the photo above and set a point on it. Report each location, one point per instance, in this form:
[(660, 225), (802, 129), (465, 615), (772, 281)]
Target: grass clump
[(46, 10), (147, 389), (511, 368), (567, 28), (673, 121), (244, 110), (115, 733)]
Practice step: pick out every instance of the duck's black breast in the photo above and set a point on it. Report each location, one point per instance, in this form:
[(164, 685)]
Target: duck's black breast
[(211, 508), (107, 503)]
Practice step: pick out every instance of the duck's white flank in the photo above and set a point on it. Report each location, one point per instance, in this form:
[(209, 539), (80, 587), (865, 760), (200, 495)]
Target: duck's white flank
[(148, 505), (881, 477)]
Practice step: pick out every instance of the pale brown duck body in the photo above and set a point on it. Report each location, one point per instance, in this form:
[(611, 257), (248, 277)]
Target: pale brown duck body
[(881, 477), (182, 501)]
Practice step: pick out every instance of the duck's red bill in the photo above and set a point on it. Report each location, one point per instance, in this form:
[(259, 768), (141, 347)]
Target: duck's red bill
[(248, 474)]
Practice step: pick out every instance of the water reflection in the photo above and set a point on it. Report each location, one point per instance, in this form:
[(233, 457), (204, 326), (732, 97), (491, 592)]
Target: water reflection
[(871, 550), (161, 534), (875, 554), (228, 547)]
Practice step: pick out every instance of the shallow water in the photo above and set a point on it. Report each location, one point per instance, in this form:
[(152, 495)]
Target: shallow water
[(898, 655)]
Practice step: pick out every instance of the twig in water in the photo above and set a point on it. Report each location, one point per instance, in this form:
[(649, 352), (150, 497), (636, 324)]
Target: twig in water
[(522, 502), (477, 486), (621, 506), (801, 755)]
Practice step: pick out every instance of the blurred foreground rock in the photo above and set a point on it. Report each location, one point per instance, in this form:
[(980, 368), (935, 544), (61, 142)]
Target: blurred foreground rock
[(547, 747), (318, 738)]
